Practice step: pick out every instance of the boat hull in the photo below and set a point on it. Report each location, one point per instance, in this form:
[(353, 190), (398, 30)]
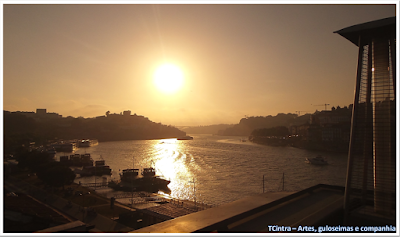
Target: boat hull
[(185, 138), (149, 184), (316, 162)]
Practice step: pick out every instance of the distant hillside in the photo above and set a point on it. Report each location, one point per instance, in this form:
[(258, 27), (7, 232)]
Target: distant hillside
[(23, 128), (247, 125), (210, 129)]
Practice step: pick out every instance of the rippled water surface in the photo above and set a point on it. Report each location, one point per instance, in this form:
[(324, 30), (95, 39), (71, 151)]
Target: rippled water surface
[(224, 169)]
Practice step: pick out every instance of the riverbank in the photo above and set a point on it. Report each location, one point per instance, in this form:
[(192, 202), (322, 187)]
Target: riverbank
[(336, 147), (78, 202), (74, 193), (135, 139)]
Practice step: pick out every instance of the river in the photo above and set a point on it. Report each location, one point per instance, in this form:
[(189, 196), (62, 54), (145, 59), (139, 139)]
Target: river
[(223, 169)]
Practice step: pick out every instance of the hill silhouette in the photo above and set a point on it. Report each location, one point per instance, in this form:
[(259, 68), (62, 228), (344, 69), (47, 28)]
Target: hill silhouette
[(209, 129), (248, 124), (25, 127)]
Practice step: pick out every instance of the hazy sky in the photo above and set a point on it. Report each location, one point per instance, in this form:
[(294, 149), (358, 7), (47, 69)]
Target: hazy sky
[(237, 60)]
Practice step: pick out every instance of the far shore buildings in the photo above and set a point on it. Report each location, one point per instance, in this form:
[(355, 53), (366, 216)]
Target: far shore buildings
[(40, 115), (328, 126)]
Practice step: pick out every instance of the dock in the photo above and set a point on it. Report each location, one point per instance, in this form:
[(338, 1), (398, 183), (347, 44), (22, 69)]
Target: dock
[(95, 185), (140, 197)]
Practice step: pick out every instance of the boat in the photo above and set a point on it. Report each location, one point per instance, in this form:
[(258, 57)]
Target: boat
[(185, 138), (99, 169), (65, 160), (318, 160), (148, 172), (130, 181), (129, 175), (86, 160), (52, 153), (94, 170), (64, 146), (87, 142), (79, 160)]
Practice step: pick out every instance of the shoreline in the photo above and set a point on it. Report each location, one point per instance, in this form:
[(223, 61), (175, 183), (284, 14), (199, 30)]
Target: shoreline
[(311, 146)]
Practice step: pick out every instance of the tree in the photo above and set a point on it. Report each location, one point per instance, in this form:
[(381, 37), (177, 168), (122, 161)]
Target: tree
[(58, 176), (278, 131), (41, 170), (32, 159)]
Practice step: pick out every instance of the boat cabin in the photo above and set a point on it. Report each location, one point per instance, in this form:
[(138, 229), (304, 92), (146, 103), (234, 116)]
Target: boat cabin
[(149, 172), (130, 172), (100, 162)]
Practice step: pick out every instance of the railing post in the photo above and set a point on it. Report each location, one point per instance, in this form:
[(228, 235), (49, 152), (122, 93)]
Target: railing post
[(263, 183)]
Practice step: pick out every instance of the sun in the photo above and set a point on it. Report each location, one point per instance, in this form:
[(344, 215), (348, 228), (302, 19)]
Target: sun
[(168, 78)]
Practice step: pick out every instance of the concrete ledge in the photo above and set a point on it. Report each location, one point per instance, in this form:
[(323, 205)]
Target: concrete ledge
[(203, 220), (255, 213), (74, 227)]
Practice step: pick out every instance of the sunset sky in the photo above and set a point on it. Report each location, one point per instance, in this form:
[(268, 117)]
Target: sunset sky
[(235, 60)]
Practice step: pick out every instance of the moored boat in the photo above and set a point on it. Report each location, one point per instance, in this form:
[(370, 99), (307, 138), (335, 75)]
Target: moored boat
[(65, 160), (64, 146), (129, 175), (318, 160), (87, 142), (149, 172), (77, 160), (52, 153), (130, 181), (185, 138), (80, 160), (95, 170), (99, 169)]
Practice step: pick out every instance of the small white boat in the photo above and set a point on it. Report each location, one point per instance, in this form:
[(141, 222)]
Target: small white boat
[(87, 142), (318, 160)]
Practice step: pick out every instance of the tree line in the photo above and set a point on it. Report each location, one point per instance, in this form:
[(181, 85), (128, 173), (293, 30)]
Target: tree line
[(50, 172), (20, 129), (248, 124)]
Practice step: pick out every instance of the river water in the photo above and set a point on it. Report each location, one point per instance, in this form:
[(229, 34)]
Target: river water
[(223, 169)]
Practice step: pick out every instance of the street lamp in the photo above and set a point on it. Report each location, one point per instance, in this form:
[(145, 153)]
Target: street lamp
[(263, 183), (83, 207)]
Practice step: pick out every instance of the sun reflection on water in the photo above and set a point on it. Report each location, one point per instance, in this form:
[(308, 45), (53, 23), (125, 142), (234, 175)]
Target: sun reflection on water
[(173, 164)]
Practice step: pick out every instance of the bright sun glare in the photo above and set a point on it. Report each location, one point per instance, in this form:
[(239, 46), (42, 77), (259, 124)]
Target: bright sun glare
[(168, 78)]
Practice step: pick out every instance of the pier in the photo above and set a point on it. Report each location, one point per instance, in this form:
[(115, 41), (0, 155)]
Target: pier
[(146, 197), (95, 185)]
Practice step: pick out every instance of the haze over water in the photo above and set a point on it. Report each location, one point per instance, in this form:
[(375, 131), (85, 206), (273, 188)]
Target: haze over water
[(224, 168)]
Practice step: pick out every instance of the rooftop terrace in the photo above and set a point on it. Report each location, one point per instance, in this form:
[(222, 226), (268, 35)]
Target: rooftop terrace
[(318, 205)]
